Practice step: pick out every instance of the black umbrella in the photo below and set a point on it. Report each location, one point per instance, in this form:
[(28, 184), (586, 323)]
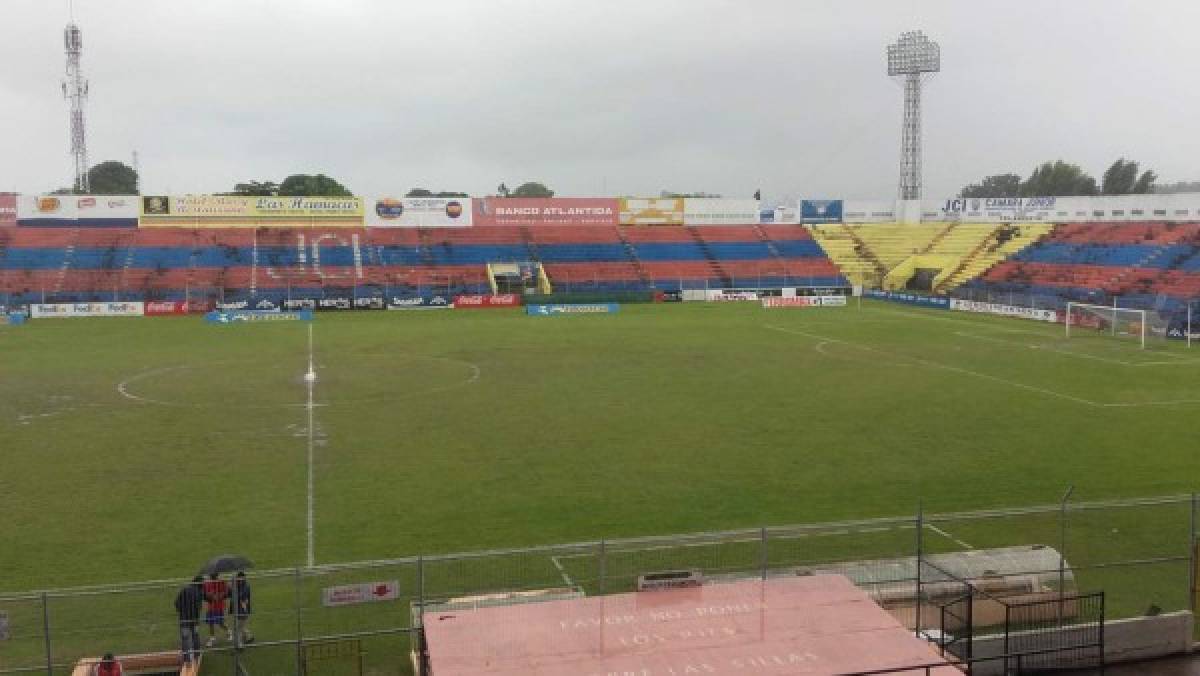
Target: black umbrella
[(226, 563)]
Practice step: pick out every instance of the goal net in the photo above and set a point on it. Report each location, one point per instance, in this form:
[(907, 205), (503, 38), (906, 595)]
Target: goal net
[(1085, 319)]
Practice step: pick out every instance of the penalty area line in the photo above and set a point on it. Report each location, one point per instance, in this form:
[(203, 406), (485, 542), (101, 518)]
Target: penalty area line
[(563, 571)]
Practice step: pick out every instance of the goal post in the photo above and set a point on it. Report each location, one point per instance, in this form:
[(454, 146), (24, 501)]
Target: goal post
[(1106, 319)]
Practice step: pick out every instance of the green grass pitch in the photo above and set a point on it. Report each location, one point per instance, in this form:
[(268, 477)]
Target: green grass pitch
[(136, 448)]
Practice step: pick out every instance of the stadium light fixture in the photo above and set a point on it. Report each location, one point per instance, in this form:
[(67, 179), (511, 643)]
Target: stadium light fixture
[(912, 57)]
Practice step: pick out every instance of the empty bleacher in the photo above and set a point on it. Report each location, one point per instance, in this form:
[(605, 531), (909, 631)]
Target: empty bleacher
[(64, 265)]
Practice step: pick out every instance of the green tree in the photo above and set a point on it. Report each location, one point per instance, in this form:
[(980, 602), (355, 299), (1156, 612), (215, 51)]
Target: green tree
[(1058, 179), (422, 192), (112, 178), (308, 185), (532, 189), (1122, 179), (502, 190), (256, 189), (999, 185)]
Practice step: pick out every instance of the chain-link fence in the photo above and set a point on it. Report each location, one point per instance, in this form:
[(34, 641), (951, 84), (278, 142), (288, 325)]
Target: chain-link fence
[(365, 617)]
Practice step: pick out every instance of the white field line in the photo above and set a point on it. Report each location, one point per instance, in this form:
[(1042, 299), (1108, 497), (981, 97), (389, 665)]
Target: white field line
[(1180, 360), (563, 571), (948, 536), (311, 383), (985, 376), (946, 367)]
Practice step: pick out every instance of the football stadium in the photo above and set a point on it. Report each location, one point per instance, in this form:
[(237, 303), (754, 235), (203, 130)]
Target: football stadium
[(606, 434)]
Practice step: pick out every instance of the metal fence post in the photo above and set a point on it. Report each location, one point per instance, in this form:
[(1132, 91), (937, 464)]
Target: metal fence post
[(763, 551), (46, 633), (1062, 550), (920, 545), (299, 626), (1192, 554), (603, 566)]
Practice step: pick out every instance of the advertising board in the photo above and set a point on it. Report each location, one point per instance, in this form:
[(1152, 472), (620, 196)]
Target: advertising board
[(723, 295), (234, 207), (12, 318), (989, 209), (241, 316), (909, 298), (803, 301), (420, 303), (571, 309), (8, 210), (1004, 310), (719, 211), (367, 592), (651, 211), (53, 310), (466, 301), (532, 211), (414, 212), (77, 211), (820, 211)]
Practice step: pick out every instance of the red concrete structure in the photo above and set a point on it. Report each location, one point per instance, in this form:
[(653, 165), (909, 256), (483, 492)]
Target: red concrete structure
[(820, 624)]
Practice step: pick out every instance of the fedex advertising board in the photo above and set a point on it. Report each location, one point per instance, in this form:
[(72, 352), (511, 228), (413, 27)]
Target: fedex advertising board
[(534, 211)]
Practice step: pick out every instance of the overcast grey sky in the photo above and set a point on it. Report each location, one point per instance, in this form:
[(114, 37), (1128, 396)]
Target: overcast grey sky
[(597, 96)]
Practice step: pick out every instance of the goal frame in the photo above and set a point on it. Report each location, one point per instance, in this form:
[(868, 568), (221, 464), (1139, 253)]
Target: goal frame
[(1071, 305)]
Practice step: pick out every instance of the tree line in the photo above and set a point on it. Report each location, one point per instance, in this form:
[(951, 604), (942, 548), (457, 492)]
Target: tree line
[(1063, 179)]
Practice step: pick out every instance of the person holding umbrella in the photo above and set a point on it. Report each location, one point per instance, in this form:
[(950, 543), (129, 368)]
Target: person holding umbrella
[(216, 591), (187, 606)]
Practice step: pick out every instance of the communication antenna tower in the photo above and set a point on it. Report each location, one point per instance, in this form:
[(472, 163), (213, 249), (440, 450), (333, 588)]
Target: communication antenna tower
[(75, 90)]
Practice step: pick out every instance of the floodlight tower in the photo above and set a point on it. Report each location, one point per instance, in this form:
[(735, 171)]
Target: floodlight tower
[(912, 56), (75, 90)]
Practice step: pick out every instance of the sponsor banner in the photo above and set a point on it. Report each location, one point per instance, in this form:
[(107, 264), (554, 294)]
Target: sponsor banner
[(545, 211), (236, 207), (156, 308), (335, 304), (909, 298), (1005, 310), (77, 211), (369, 303), (413, 212), (711, 211), (1180, 332), (12, 319), (367, 592), (820, 211), (50, 310), (651, 211), (420, 303), (670, 297), (571, 309), (8, 210), (804, 301), (999, 208), (487, 300), (236, 316), (262, 304), (723, 295)]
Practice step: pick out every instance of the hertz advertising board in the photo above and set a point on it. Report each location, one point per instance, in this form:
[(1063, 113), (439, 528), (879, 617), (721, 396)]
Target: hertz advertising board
[(236, 210)]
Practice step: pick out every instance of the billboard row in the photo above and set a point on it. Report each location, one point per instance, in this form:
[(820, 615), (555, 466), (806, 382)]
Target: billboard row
[(77, 211), (8, 210), (413, 212), (546, 211)]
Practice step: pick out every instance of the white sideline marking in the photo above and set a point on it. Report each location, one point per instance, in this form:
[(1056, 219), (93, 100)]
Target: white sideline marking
[(947, 367), (311, 383), (948, 536), (985, 376), (563, 571)]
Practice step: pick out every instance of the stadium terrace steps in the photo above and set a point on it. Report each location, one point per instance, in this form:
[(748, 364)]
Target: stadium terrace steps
[(1000, 243), (241, 263), (1155, 263)]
